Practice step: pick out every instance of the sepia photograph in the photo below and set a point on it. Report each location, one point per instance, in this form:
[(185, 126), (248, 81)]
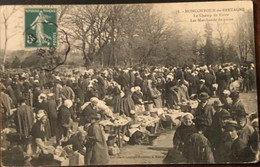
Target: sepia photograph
[(128, 84)]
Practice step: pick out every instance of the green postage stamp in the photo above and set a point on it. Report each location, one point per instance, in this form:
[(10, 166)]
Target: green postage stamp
[(40, 27)]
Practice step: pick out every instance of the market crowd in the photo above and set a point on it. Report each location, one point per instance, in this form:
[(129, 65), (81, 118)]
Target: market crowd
[(41, 105)]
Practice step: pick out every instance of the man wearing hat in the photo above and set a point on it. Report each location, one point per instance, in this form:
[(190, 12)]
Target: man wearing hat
[(204, 109), (237, 147), (251, 152), (236, 104), (246, 130), (215, 131), (96, 146), (202, 87), (198, 148), (219, 139), (223, 98)]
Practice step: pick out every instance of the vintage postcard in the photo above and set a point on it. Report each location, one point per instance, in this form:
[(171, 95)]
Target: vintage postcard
[(120, 84)]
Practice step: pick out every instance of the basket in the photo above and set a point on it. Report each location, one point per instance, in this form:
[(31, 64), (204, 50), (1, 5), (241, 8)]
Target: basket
[(111, 140), (152, 139), (149, 106)]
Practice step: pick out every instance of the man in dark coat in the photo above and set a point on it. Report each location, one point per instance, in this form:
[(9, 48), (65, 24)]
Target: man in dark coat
[(52, 113), (223, 98), (236, 105), (237, 146), (88, 109), (25, 118), (10, 92), (101, 87), (209, 80), (246, 130), (199, 150), (96, 146), (64, 120), (77, 141), (194, 83), (202, 87), (204, 109)]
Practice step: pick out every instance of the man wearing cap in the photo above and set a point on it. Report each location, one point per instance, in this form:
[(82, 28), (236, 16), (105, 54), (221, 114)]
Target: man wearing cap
[(215, 130), (67, 93), (236, 104), (237, 146), (246, 130), (205, 110), (251, 152), (223, 98), (198, 148), (222, 143)]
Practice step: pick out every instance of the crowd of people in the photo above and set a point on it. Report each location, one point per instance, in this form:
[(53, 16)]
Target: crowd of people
[(42, 105)]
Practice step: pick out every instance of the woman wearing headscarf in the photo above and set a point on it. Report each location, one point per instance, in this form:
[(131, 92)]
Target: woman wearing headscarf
[(183, 133), (52, 113), (116, 94), (43, 105), (127, 103), (38, 133), (155, 95), (6, 105), (64, 120), (137, 97)]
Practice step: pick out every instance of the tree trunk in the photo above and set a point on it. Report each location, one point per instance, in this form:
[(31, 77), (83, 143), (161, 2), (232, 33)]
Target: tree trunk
[(87, 60), (5, 48), (102, 59)]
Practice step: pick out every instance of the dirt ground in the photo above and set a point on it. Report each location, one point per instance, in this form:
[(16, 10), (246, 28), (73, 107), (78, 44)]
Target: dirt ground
[(154, 154)]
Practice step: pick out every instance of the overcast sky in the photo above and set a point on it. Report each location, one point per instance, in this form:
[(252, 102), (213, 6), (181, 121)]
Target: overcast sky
[(186, 12)]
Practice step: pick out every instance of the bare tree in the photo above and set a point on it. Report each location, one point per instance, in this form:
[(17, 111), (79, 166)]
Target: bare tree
[(7, 12), (223, 41), (245, 36)]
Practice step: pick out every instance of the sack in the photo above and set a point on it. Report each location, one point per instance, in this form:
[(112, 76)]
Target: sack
[(113, 150), (76, 159), (122, 94)]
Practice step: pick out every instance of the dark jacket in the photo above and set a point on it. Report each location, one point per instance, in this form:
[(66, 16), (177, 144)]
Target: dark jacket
[(37, 131), (199, 150), (64, 116), (97, 151)]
